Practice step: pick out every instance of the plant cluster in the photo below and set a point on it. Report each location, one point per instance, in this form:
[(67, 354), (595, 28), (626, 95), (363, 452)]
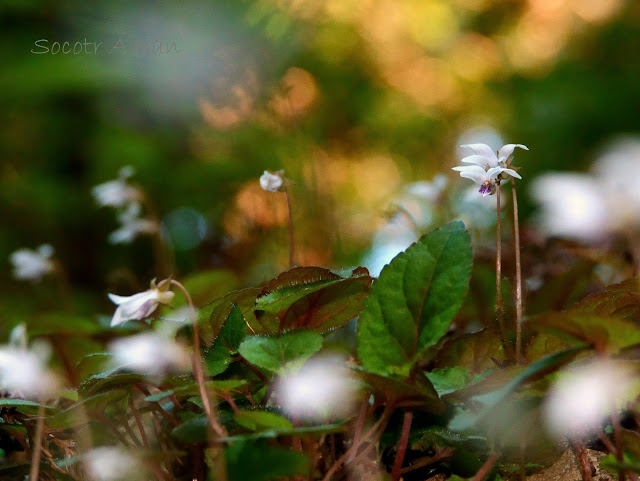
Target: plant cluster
[(326, 375)]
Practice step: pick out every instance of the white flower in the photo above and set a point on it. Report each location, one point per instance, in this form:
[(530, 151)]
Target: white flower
[(117, 193), (111, 464), (486, 179), (573, 205), (271, 182), (132, 225), (24, 372), (581, 399), (151, 354), (429, 191), (488, 166), (321, 390), (32, 265), (140, 305), (591, 206), (486, 158)]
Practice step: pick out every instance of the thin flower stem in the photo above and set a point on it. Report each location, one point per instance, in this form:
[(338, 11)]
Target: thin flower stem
[(292, 262), (499, 301), (197, 366), (402, 445), (486, 467), (136, 416), (516, 240), (360, 423), (37, 445), (380, 425)]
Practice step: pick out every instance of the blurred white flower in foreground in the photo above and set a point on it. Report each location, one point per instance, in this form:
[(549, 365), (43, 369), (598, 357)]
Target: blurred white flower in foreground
[(32, 265), (583, 397), (111, 464), (591, 206), (151, 354), (132, 225), (572, 206), (429, 191), (488, 167), (117, 193), (140, 305), (323, 389), (272, 182), (24, 372)]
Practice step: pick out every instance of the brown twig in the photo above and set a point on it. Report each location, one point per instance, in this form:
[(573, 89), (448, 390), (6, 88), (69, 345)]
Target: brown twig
[(581, 453), (380, 425), (443, 453)]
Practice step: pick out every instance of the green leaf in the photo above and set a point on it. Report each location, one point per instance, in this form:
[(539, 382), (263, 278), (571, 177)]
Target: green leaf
[(314, 298), (220, 354), (448, 379), (412, 304), (475, 351), (212, 316), (210, 284), (612, 333), (217, 386), (261, 420), (283, 352), (400, 392), (258, 461), (24, 406)]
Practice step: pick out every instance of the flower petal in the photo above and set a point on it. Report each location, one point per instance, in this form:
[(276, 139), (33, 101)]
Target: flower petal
[(479, 160), (512, 173), (485, 150), (506, 150), (473, 172)]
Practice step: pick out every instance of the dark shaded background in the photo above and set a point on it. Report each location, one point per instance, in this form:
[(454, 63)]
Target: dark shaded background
[(354, 99)]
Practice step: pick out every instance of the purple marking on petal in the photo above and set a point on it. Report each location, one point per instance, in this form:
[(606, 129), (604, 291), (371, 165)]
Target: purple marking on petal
[(485, 189)]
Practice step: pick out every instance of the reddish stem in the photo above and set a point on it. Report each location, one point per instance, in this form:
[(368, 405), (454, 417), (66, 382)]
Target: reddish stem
[(291, 238), (485, 468), (402, 445)]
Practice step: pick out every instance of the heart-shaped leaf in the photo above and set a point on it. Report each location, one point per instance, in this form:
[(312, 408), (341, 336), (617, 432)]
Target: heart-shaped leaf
[(412, 304)]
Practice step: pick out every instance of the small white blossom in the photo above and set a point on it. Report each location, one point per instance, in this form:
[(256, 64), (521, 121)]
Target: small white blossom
[(581, 399), (140, 305), (117, 193), (486, 179), (112, 464), (323, 389), (132, 225), (24, 372), (32, 265), (488, 167), (151, 354), (272, 182)]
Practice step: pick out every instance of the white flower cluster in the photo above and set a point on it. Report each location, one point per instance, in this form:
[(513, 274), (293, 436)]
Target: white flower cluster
[(120, 194), (24, 371), (590, 206), (487, 168), (32, 265)]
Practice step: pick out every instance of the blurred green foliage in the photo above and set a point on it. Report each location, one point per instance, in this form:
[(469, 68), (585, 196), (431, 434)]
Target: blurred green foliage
[(379, 88)]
